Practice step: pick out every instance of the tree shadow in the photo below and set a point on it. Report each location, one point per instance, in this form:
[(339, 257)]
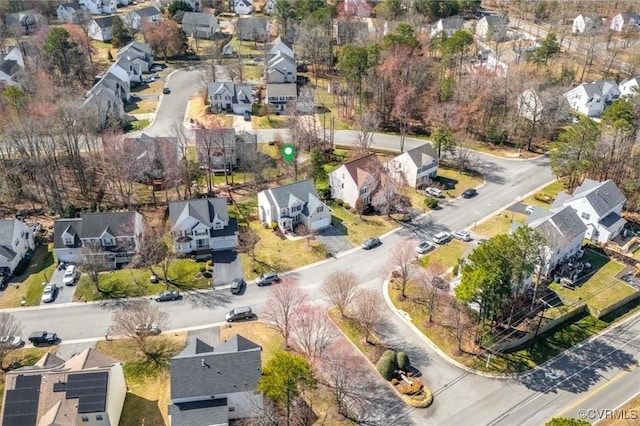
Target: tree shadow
[(490, 171), (209, 299), (139, 410), (422, 228)]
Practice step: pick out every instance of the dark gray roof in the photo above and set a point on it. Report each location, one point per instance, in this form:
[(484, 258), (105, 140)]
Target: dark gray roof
[(7, 252), (284, 196), (603, 196), (612, 221), (146, 12), (73, 226), (75, 5), (496, 20), (204, 210), (286, 89), (251, 26), (230, 229), (560, 228), (106, 22), (233, 366), (561, 198), (452, 23), (199, 19), (235, 89), (422, 154), (118, 224), (10, 67), (200, 413)]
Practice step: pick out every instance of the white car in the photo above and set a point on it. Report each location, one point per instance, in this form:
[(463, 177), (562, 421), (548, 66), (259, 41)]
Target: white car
[(442, 237), (530, 209), (462, 235), (423, 247), (70, 275), (11, 341), (49, 293), (434, 192)]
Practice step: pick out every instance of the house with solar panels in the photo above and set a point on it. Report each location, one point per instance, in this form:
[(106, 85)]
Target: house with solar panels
[(89, 389)]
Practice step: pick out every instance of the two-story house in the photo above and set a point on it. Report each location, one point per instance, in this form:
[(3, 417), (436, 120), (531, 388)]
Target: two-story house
[(281, 68), (105, 103), (156, 158), (356, 179), (139, 55), (11, 67), (112, 238), (230, 97), (16, 240), (71, 13), (293, 204), (138, 17), (280, 46), (492, 27), (101, 29), (587, 24), (87, 389), (215, 384), (25, 22), (350, 31), (222, 148), (415, 167), (94, 7), (629, 87), (563, 232), (252, 29), (447, 26), (281, 95), (202, 225), (591, 99), (627, 20), (195, 4), (241, 7), (599, 206), (200, 25)]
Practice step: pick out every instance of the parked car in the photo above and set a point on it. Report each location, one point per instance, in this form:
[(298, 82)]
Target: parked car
[(247, 116), (166, 90), (469, 193), (370, 243), (462, 235), (167, 295), (50, 292), (434, 192), (4, 281), (237, 285), (156, 68), (70, 275), (442, 237), (268, 278), (237, 314), (424, 247), (43, 338), (148, 330), (482, 240), (530, 209), (11, 341)]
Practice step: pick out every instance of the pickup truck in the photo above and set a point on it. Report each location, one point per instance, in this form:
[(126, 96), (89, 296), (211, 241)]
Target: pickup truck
[(43, 337)]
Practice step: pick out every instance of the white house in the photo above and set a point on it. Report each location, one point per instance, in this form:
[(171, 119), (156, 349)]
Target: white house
[(280, 46), (587, 24), (281, 95), (195, 4), (124, 3), (629, 87), (530, 105), (230, 97), (11, 67), (200, 25), (598, 205), (139, 56), (492, 27), (109, 6), (447, 25), (202, 225), (101, 29), (414, 167), (293, 204), (94, 7), (87, 389), (622, 21), (215, 384), (356, 179), (241, 7), (281, 68), (563, 231), (269, 7), (71, 13), (138, 17), (16, 239), (114, 237), (105, 103), (591, 99)]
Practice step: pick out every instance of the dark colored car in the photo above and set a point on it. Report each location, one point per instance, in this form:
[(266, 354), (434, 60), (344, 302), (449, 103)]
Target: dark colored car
[(371, 243), (247, 116), (268, 278), (43, 338), (237, 314), (166, 90), (167, 295), (469, 193), (4, 281), (237, 285)]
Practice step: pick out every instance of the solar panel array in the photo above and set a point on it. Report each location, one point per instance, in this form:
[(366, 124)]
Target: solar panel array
[(21, 404), (90, 389)]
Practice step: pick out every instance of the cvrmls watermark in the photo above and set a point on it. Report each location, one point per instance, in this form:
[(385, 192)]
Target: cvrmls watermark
[(607, 413)]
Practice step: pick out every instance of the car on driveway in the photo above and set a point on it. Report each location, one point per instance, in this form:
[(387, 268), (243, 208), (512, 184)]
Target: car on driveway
[(11, 341), (268, 278), (50, 292), (167, 295), (424, 247), (442, 237), (370, 243), (237, 285), (469, 193), (148, 330), (434, 192), (530, 209), (70, 275), (462, 235), (43, 338)]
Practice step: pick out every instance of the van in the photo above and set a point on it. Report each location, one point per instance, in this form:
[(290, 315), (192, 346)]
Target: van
[(434, 192), (442, 237), (237, 314)]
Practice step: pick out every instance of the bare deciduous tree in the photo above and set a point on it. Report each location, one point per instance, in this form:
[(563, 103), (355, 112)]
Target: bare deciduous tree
[(429, 292), (284, 299), (367, 311), (386, 193), (247, 240), (121, 174), (312, 330), (369, 123), (9, 326), (402, 263), (339, 286), (135, 320)]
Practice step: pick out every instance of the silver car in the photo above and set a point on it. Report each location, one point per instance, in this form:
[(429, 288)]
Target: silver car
[(11, 341), (423, 247), (49, 293)]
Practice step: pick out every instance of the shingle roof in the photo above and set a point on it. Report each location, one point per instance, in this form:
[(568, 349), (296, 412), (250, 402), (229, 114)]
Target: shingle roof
[(361, 168), (286, 89), (204, 210), (235, 89), (6, 231), (422, 154), (73, 226), (105, 22), (603, 196), (118, 223), (304, 191), (75, 6), (199, 19), (146, 12), (249, 26), (200, 413), (559, 228), (233, 366)]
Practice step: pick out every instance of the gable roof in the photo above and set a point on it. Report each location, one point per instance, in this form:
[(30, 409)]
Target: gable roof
[(116, 223), (72, 6), (280, 196), (204, 210), (251, 24), (199, 18), (7, 229), (235, 89), (360, 169), (280, 45), (422, 154), (146, 12), (282, 89), (559, 227), (105, 22), (602, 196), (72, 226)]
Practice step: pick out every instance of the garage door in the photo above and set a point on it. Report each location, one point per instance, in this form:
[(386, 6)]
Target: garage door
[(225, 243), (320, 224)]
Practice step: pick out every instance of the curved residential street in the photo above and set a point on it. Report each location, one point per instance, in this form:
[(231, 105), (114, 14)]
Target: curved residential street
[(605, 366)]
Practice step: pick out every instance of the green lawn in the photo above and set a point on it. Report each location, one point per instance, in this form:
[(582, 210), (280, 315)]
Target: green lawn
[(352, 332), (447, 255), (456, 183), (136, 125), (548, 193), (359, 229), (136, 282), (39, 271), (253, 71), (496, 225), (270, 122)]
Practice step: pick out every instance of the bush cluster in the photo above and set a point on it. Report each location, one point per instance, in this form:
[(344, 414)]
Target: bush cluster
[(410, 389), (430, 202), (386, 365)]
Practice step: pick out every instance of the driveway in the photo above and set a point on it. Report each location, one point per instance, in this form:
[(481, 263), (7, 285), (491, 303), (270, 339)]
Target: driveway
[(518, 208), (240, 125), (226, 266), (65, 293), (334, 240)]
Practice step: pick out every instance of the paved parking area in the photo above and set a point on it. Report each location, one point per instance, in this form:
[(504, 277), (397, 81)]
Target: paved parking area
[(333, 240), (65, 293), (226, 266)]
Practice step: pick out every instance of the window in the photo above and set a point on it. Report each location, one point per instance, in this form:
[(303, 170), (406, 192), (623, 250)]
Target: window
[(320, 209), (217, 225), (99, 417), (232, 408), (85, 418), (283, 212), (585, 216), (363, 190), (68, 241)]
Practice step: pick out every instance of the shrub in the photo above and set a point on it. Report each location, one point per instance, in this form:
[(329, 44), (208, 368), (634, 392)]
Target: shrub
[(274, 226), (22, 266), (430, 202), (209, 265), (339, 202), (203, 269), (394, 381), (402, 361), (410, 389), (422, 399), (386, 365), (346, 206), (455, 271)]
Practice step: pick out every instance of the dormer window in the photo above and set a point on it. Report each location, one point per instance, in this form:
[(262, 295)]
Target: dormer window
[(67, 241), (217, 225)]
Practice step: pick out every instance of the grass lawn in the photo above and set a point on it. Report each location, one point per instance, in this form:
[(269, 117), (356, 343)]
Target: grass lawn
[(141, 107), (135, 282), (496, 225), (456, 183), (147, 382), (350, 329), (600, 290), (270, 122), (447, 255), (136, 125), (247, 47), (253, 71), (198, 113), (550, 192), (40, 270), (359, 229)]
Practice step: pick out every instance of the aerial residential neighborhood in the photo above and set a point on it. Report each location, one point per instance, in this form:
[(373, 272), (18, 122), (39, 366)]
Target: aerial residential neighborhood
[(339, 212)]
